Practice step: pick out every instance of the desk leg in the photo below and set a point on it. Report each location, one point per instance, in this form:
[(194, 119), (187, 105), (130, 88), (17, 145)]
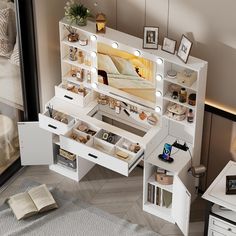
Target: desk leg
[(207, 213)]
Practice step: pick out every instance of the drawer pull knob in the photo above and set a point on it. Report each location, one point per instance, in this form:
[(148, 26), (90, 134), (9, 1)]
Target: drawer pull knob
[(229, 229), (91, 155), (52, 126), (68, 97)]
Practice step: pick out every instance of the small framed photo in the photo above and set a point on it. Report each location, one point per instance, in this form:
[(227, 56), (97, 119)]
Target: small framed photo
[(184, 49), (231, 184), (169, 45), (150, 37)]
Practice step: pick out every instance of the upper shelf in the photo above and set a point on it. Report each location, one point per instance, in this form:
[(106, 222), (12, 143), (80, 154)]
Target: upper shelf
[(137, 43)]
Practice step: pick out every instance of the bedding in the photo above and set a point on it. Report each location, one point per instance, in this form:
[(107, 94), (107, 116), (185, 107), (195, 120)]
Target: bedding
[(10, 83), (129, 81), (124, 66), (105, 63)]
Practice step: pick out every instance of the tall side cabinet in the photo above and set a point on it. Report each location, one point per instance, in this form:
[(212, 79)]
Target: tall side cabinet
[(51, 134)]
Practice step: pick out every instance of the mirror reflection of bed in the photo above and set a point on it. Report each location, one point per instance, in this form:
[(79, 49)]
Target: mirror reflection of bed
[(127, 72)]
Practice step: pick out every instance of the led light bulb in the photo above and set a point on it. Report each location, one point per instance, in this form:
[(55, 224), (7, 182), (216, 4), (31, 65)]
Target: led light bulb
[(137, 53), (158, 93), (115, 45), (94, 70), (94, 85), (93, 54), (159, 77), (159, 61), (157, 109), (93, 37)]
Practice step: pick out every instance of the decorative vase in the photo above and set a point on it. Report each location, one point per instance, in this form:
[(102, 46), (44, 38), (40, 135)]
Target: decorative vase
[(73, 37), (81, 21)]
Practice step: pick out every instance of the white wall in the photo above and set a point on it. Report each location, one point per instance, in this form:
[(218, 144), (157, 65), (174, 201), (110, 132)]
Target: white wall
[(211, 24), (47, 16)]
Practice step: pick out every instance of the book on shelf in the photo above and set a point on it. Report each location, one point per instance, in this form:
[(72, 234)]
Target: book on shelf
[(167, 198), (158, 196), (38, 199), (151, 193)]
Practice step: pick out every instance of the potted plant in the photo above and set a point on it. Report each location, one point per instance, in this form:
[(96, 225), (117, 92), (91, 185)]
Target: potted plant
[(76, 12)]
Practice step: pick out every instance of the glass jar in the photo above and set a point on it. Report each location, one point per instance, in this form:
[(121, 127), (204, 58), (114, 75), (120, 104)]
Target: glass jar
[(182, 95)]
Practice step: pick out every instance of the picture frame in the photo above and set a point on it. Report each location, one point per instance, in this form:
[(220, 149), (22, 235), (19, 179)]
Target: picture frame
[(169, 45), (184, 49), (231, 184), (150, 37)]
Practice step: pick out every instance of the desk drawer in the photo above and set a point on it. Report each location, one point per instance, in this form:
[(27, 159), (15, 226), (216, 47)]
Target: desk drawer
[(221, 226), (214, 233), (55, 126), (100, 152), (74, 98)]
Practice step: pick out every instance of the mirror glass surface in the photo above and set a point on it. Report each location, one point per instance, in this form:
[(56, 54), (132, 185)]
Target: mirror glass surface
[(134, 76)]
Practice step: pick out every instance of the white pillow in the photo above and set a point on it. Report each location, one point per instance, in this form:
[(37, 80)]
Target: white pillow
[(105, 63), (124, 66)]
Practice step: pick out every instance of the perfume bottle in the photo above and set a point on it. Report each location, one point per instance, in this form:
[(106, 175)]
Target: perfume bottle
[(118, 107), (190, 116), (80, 57), (182, 95)]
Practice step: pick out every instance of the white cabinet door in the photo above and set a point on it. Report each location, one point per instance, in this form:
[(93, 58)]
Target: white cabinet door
[(181, 205), (35, 144)]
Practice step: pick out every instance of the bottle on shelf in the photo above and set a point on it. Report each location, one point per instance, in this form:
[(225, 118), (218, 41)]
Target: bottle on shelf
[(183, 95), (190, 116), (80, 57)]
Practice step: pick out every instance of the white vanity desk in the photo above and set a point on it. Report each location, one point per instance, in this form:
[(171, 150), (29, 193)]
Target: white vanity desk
[(44, 147)]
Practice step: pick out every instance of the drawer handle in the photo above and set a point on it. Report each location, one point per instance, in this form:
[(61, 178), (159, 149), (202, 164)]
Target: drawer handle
[(229, 229), (52, 126), (68, 97), (91, 155)]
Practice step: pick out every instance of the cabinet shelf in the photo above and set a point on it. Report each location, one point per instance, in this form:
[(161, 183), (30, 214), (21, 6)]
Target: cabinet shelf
[(87, 48), (182, 122), (168, 97), (163, 212), (152, 181), (76, 64), (174, 81), (64, 171), (75, 81)]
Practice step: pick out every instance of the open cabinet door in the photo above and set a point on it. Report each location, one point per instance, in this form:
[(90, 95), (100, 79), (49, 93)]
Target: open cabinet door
[(181, 205), (35, 144)]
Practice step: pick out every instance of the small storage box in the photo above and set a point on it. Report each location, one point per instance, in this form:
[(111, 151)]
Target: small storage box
[(66, 162), (164, 179)]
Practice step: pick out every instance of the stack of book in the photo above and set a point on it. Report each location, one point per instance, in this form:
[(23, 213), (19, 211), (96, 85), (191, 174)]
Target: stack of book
[(151, 193), (66, 159)]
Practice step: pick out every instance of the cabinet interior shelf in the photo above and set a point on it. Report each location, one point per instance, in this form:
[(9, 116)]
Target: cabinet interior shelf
[(76, 64), (168, 188), (174, 81), (183, 122), (86, 48), (168, 97)]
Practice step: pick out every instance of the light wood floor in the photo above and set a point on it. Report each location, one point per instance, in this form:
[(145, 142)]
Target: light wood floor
[(111, 192)]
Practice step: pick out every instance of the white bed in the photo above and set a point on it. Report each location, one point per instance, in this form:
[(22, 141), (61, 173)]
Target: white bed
[(134, 85), (10, 84)]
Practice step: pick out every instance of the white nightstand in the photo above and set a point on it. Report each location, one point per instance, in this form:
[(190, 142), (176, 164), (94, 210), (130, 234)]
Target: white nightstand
[(221, 221)]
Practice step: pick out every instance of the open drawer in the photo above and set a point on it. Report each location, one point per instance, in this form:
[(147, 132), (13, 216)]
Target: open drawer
[(99, 151), (59, 123), (70, 93)]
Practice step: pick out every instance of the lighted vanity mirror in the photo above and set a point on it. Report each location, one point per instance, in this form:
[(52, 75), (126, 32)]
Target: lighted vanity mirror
[(130, 76)]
